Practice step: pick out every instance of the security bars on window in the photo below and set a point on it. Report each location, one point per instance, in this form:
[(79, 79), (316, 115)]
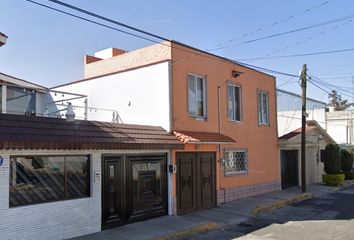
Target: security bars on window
[(235, 162)]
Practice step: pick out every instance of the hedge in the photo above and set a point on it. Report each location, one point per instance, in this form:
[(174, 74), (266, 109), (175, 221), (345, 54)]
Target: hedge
[(333, 179)]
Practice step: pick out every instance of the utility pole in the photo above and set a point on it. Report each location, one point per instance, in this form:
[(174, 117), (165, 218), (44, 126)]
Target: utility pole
[(303, 128)]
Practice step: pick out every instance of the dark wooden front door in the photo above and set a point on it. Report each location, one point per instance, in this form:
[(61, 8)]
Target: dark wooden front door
[(112, 192), (195, 181), (289, 168), (133, 188)]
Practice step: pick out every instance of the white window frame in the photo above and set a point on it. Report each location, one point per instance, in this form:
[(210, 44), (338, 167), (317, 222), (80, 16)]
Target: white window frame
[(193, 112), (234, 103), (230, 163), (263, 115)]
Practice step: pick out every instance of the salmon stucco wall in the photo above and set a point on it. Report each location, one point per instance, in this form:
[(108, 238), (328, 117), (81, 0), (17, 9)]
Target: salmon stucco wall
[(260, 141)]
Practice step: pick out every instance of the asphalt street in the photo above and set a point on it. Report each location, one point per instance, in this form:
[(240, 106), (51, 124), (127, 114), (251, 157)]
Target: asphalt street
[(329, 216)]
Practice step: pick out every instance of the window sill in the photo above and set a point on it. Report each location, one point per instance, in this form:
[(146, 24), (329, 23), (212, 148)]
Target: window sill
[(199, 118), (235, 121), (243, 173)]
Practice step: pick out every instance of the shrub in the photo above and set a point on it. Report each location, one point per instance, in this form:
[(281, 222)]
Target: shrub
[(347, 160), (333, 179), (349, 175), (331, 160)]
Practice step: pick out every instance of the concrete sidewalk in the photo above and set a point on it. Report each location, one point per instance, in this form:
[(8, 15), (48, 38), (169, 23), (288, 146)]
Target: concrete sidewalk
[(228, 214)]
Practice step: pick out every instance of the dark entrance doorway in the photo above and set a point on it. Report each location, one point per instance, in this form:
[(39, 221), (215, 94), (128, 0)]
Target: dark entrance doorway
[(289, 168), (195, 181), (133, 188)]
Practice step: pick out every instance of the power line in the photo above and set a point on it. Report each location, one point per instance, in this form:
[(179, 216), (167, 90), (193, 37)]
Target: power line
[(301, 29), (91, 21), (108, 19), (301, 54), (291, 31), (318, 83), (303, 41), (291, 17), (212, 56), (329, 85), (317, 86), (266, 69)]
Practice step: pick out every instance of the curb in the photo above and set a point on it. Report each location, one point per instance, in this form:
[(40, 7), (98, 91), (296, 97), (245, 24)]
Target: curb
[(202, 228), (280, 203)]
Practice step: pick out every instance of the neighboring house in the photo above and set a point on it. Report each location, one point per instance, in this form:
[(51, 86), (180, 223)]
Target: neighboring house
[(18, 96), (289, 111), (340, 125), (290, 155), (55, 173), (223, 112)]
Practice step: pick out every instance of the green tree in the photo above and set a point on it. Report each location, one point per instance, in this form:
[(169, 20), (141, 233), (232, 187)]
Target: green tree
[(332, 162), (336, 101)]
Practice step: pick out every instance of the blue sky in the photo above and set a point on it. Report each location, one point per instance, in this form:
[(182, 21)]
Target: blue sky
[(47, 47)]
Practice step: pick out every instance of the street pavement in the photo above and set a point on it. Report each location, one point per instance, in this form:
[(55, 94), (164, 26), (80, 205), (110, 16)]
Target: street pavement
[(326, 216), (235, 219)]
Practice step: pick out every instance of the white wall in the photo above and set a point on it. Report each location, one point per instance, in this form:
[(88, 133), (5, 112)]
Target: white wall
[(340, 126), (55, 220), (288, 121), (140, 96)]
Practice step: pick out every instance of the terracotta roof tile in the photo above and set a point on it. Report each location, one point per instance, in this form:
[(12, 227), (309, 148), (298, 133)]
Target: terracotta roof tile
[(31, 132), (295, 133), (202, 137)]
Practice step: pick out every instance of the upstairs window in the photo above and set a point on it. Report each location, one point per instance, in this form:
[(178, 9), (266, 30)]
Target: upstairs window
[(234, 102), (196, 96), (263, 108)]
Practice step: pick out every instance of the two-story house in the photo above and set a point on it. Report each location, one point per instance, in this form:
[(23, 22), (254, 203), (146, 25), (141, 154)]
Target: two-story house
[(223, 112)]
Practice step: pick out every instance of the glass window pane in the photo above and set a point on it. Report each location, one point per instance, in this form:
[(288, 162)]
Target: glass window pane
[(192, 94), (0, 99), (200, 97), (20, 101), (259, 97), (235, 162), (36, 179), (76, 176), (265, 108), (237, 104), (230, 102)]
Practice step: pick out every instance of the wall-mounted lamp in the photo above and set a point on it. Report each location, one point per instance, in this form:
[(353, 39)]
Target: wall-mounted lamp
[(236, 74)]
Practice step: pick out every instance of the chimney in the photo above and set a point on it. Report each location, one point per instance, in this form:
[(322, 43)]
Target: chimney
[(3, 39), (70, 114)]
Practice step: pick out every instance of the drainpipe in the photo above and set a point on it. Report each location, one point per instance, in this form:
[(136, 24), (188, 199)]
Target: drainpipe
[(219, 147)]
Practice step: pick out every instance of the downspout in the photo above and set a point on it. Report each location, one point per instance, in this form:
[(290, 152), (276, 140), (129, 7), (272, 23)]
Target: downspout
[(170, 184), (219, 147)]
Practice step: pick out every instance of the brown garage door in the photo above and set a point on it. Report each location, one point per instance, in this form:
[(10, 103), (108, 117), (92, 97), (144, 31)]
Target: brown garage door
[(195, 181)]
